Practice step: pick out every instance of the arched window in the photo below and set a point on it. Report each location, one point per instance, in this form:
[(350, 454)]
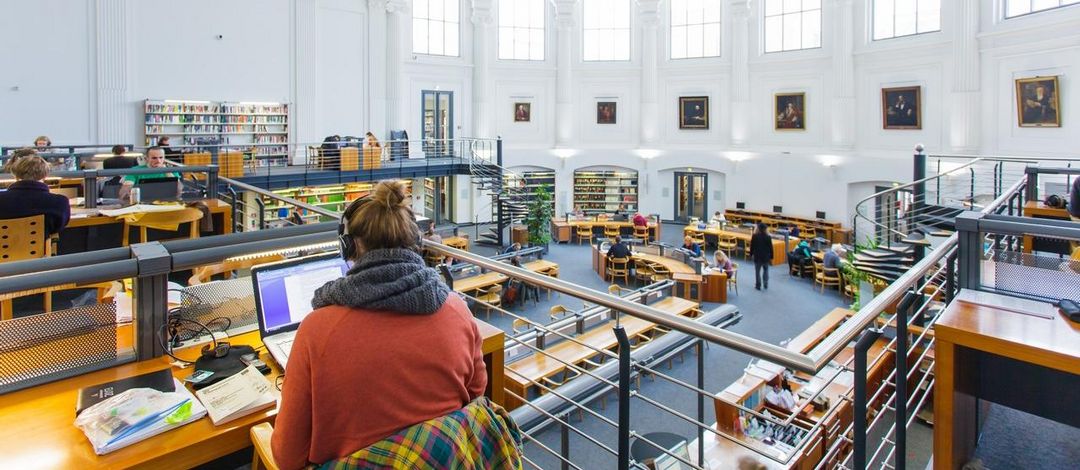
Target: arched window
[(896, 18), (791, 25), (695, 29), (1015, 8), (606, 30), (436, 26), (521, 29)]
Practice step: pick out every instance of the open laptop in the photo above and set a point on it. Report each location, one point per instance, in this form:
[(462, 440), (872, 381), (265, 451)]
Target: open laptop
[(283, 293)]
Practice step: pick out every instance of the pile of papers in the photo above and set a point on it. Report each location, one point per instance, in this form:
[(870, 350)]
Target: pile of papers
[(136, 414)]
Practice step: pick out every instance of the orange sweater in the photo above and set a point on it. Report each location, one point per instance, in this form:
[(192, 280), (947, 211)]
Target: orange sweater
[(357, 376)]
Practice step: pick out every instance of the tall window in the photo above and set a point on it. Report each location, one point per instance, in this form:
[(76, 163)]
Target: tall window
[(521, 29), (606, 30), (895, 18), (1023, 7), (695, 29), (792, 25), (435, 27)]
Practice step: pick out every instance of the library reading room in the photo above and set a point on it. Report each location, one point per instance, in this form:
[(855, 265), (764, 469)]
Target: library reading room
[(540, 234)]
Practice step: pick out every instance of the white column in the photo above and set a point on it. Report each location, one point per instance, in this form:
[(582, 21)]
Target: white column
[(111, 73), (376, 92), (398, 15), (306, 120), (483, 37), (740, 72), (843, 69), (564, 107), (964, 116), (649, 16)]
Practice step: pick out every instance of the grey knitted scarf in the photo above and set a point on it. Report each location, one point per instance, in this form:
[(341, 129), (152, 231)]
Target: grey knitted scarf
[(392, 279)]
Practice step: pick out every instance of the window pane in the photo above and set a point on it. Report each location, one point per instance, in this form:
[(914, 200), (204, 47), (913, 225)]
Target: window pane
[(811, 32), (694, 40), (773, 7), (506, 12), (622, 44), (420, 9), (712, 40), (792, 33), (622, 14), (451, 10), (591, 11), (506, 43), (773, 33), (678, 42), (1037, 5), (590, 40), (435, 10), (792, 6), (521, 43), (929, 15), (536, 14), (452, 39), (536, 44), (905, 17), (420, 41), (678, 12), (1016, 7), (712, 12), (436, 32), (811, 5), (883, 19), (521, 15)]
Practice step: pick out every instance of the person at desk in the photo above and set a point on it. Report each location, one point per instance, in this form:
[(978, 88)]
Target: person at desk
[(513, 248), (155, 158), (761, 249), (832, 258), (691, 246), (355, 374), (640, 221), (718, 218), (118, 160), (620, 249), (30, 196), (793, 231), (724, 263), (163, 142), (780, 396), (431, 235)]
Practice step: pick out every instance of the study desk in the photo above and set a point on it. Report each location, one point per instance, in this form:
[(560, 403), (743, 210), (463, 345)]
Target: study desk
[(461, 243), (523, 373), (981, 352), (1038, 210), (88, 230), (490, 278), (563, 231), (834, 231), (37, 430), (779, 251)]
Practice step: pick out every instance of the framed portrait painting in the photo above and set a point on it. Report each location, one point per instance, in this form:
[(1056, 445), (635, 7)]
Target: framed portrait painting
[(901, 108), (522, 112), (790, 111), (693, 112), (1038, 102), (606, 112)]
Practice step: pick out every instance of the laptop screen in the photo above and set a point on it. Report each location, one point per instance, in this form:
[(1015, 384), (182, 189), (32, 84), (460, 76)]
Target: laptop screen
[(284, 290)]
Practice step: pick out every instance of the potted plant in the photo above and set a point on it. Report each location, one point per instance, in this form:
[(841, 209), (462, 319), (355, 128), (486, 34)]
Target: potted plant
[(538, 219)]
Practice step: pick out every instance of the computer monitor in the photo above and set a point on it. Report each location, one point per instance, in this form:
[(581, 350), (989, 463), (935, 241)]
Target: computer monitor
[(740, 205), (159, 189), (777, 209), (820, 214), (283, 290)]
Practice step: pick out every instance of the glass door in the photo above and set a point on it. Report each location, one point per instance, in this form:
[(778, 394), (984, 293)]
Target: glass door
[(691, 189), (438, 122)]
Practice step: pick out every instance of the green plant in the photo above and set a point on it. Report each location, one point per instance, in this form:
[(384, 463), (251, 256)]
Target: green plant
[(538, 219), (853, 275)]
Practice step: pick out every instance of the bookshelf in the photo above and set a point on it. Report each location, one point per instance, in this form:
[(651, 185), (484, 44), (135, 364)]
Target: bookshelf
[(429, 198), (333, 197), (604, 191), (529, 181), (237, 126)]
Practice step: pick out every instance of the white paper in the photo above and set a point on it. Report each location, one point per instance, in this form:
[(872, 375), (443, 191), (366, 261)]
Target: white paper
[(228, 399), (137, 208)]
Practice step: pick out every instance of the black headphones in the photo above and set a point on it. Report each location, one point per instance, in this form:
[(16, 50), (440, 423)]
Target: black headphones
[(346, 244), (1055, 201)]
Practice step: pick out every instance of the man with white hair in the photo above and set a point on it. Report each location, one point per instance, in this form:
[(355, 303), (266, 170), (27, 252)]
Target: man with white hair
[(834, 256)]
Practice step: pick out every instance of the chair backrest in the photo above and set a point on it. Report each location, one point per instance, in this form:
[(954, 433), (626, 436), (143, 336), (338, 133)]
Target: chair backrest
[(557, 310), (584, 230), (23, 238), (614, 289), (520, 325)]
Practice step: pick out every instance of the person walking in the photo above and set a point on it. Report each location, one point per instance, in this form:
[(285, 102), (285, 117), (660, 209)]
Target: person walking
[(761, 249)]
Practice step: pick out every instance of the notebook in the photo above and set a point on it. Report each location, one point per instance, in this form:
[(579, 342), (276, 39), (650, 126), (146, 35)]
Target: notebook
[(239, 395), (161, 380)]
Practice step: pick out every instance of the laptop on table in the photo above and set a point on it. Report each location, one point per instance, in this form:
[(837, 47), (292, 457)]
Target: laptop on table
[(283, 293)]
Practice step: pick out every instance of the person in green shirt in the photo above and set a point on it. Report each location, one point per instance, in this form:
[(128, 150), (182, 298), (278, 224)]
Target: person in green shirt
[(155, 158)]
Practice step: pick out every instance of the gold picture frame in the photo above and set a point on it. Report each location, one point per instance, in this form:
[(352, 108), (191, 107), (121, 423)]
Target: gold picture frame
[(693, 112), (1038, 102), (901, 107), (789, 110), (522, 112)]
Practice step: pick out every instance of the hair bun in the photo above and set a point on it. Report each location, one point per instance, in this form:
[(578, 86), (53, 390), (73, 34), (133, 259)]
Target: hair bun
[(389, 193)]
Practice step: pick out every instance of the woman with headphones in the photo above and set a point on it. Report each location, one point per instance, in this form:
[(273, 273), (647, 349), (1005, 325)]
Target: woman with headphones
[(387, 346)]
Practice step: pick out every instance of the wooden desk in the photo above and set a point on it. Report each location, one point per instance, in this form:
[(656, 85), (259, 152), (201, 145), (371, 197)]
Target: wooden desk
[(563, 231), (833, 231), (980, 352), (37, 430), (688, 281), (599, 260), (461, 243), (1039, 210), (525, 372), (490, 278), (813, 335), (779, 250), (94, 231), (715, 287)]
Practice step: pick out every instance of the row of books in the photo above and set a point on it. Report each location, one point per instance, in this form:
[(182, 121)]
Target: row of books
[(181, 119)]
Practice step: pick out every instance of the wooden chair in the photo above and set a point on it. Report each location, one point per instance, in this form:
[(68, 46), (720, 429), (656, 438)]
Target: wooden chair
[(807, 233), (615, 289), (492, 296), (550, 272), (643, 271), (558, 311), (642, 234), (619, 267), (203, 274), (733, 280), (520, 325), (826, 277), (584, 232), (186, 215), (23, 239), (660, 273), (727, 243), (260, 439), (433, 258), (697, 237), (611, 231)]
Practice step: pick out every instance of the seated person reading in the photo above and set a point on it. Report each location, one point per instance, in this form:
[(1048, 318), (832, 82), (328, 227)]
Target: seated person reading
[(801, 255), (620, 249), (29, 195), (724, 263), (832, 258), (793, 230), (355, 374), (155, 158), (780, 396), (718, 218), (640, 220), (688, 244)]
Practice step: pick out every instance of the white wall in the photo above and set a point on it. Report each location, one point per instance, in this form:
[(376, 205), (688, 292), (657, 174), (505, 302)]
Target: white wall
[(332, 61)]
